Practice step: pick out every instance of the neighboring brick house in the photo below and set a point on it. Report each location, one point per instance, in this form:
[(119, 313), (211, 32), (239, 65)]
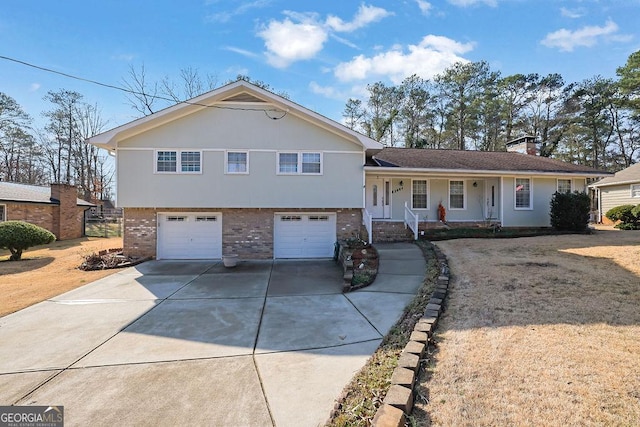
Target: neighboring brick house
[(56, 208), (621, 189)]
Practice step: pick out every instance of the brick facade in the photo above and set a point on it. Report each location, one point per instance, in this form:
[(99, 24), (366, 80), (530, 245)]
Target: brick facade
[(247, 233), (396, 231), (64, 220), (68, 218), (38, 214), (140, 225)]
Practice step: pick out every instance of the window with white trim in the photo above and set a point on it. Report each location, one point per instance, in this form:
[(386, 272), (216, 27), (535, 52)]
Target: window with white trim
[(419, 194), (635, 190), (456, 195), (523, 193), (237, 162), (190, 161), (288, 162), (174, 161), (311, 163), (296, 163), (166, 161), (564, 186), (3, 213)]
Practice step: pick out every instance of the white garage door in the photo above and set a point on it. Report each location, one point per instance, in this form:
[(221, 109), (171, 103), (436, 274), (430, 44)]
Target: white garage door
[(189, 236), (304, 235)]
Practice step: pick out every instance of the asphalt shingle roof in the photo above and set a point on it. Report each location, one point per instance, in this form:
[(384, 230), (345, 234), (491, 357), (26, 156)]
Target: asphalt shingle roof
[(630, 174), (419, 158), (14, 192)]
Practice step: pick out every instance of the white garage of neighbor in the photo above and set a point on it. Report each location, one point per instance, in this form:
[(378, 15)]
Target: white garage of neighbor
[(184, 235), (304, 235)]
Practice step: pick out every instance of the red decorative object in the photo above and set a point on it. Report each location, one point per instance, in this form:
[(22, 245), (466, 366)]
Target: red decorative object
[(442, 213)]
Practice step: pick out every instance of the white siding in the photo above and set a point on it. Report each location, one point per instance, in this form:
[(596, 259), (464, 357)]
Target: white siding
[(439, 193), (616, 195), (213, 131), (542, 190)]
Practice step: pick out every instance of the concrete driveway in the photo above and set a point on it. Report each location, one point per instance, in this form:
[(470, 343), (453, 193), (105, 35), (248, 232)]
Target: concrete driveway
[(175, 343)]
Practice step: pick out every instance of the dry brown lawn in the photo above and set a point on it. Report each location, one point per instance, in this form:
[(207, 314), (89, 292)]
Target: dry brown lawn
[(540, 331), (47, 271)]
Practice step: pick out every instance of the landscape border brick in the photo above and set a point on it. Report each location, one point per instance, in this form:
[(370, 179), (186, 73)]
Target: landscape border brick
[(398, 403)]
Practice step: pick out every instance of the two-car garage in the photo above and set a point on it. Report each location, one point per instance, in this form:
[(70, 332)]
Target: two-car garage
[(185, 235)]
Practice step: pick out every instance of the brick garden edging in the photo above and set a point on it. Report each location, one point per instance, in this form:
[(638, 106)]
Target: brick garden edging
[(345, 257), (398, 402)]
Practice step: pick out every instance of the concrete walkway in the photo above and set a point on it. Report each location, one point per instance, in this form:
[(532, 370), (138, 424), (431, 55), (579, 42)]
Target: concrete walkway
[(269, 343)]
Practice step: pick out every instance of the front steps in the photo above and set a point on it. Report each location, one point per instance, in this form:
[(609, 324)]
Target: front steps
[(388, 231)]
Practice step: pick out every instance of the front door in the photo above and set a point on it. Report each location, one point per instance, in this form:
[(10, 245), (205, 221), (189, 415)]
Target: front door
[(492, 199), (379, 198)]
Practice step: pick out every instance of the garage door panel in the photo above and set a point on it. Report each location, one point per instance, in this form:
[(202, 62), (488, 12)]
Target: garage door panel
[(189, 236), (304, 235)]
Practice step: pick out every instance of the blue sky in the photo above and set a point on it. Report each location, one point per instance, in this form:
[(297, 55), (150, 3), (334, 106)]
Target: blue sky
[(320, 53)]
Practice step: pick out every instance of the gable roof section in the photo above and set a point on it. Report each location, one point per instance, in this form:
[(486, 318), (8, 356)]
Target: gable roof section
[(419, 159), (249, 96), (24, 193), (629, 175)]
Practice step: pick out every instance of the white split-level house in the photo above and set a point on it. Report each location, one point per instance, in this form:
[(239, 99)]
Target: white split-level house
[(240, 170)]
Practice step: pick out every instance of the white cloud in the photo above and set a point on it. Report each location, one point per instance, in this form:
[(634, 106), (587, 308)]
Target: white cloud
[(242, 52), (326, 91), (365, 16), (127, 57), (426, 59), (567, 40), (572, 13), (227, 15), (467, 3), (345, 42), (33, 87), (235, 71), (287, 41), (302, 36), (425, 6)]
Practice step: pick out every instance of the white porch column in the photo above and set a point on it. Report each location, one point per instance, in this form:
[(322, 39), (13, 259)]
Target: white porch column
[(502, 221)]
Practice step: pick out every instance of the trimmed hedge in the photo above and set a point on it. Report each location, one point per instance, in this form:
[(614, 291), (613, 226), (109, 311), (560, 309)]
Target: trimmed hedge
[(18, 236), (570, 211), (628, 215)]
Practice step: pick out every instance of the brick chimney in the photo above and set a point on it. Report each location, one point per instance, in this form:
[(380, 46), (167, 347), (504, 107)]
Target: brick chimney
[(525, 145), (67, 223)]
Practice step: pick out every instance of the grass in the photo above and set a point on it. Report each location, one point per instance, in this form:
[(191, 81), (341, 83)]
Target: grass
[(366, 391), (48, 271), (537, 331), (107, 229)]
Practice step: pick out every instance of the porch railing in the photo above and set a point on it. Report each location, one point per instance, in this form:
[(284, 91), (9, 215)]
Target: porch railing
[(367, 220), (411, 220)]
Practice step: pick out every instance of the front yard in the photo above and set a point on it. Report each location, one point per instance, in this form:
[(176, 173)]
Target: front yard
[(47, 271), (538, 331)]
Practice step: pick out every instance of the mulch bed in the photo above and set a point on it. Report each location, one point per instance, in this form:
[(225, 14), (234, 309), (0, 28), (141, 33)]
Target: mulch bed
[(365, 266)]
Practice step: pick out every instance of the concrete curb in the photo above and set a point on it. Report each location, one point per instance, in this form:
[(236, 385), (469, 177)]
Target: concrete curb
[(398, 403)]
